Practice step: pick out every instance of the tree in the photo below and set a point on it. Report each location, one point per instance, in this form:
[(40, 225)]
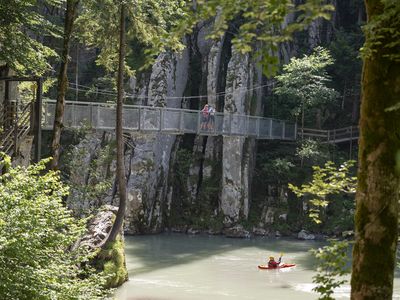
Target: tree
[(304, 82), (20, 22), (378, 185), (148, 21), (121, 179), (328, 181), (37, 233), (62, 84)]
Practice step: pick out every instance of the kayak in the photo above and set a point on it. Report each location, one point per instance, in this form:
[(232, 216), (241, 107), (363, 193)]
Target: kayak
[(282, 266)]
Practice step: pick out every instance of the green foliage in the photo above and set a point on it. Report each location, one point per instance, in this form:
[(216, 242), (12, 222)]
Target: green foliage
[(327, 181), (383, 31), (304, 81), (260, 23), (37, 233), (313, 151), (147, 22), (20, 21), (184, 159), (332, 260), (345, 51), (88, 185), (278, 168), (275, 164)]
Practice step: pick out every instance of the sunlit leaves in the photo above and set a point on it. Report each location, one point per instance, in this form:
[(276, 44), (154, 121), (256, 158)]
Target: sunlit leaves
[(260, 22), (147, 22), (332, 261), (36, 235), (305, 80), (326, 181), (20, 22)]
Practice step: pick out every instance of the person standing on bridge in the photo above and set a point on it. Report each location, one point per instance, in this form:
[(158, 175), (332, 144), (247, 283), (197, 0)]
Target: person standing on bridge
[(204, 117), (211, 121)]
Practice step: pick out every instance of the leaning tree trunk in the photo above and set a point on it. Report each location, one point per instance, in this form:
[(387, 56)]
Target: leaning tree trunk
[(377, 197), (117, 226), (62, 82)]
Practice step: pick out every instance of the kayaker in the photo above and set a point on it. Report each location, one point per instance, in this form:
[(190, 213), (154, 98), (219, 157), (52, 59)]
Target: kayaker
[(272, 263)]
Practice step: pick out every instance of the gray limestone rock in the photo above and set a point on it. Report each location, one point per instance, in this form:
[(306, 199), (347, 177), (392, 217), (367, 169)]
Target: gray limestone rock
[(236, 232), (305, 235), (99, 227)]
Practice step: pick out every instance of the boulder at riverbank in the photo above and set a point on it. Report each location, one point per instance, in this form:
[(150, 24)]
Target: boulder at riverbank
[(110, 260)]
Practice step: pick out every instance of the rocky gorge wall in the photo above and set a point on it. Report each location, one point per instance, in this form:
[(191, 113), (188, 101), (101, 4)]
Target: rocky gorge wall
[(194, 182)]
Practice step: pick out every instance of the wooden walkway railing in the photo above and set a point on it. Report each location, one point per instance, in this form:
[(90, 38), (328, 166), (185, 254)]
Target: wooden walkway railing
[(333, 136)]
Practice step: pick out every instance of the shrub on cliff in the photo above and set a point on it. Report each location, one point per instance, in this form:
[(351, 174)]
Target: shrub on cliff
[(36, 237)]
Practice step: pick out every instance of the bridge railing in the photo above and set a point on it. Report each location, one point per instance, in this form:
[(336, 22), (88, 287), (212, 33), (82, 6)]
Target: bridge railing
[(168, 120), (330, 136), (343, 134)]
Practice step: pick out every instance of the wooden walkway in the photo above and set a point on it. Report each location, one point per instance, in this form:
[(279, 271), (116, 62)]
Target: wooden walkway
[(334, 136)]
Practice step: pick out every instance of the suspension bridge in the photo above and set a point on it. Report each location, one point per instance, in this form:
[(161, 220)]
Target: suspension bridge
[(18, 120), (167, 120)]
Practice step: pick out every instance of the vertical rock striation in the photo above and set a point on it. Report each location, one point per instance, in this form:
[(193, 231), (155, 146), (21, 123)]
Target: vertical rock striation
[(217, 171)]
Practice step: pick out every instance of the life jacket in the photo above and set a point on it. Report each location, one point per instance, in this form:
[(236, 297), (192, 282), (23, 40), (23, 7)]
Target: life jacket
[(273, 264)]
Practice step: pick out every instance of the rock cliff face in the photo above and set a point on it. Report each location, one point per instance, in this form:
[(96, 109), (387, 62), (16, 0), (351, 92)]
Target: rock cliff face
[(191, 181)]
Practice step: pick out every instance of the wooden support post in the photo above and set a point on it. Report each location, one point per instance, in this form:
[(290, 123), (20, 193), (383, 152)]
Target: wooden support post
[(38, 121), (351, 142), (16, 131), (98, 116), (73, 115), (7, 105), (258, 127), (270, 129)]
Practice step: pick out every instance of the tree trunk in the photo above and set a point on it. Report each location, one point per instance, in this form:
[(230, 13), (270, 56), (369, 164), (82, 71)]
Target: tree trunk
[(62, 83), (377, 197), (117, 226), (318, 118)]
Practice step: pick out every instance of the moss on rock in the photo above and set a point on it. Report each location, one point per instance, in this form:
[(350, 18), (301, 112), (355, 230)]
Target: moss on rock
[(111, 261)]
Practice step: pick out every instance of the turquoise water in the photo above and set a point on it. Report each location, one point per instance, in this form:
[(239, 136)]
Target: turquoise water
[(177, 266)]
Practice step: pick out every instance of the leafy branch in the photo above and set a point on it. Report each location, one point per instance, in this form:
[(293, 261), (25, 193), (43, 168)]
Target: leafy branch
[(326, 181)]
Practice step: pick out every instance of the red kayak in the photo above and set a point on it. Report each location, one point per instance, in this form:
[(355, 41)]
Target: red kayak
[(282, 266)]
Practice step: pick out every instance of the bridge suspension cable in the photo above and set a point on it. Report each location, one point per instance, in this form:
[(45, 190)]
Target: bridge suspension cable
[(89, 89)]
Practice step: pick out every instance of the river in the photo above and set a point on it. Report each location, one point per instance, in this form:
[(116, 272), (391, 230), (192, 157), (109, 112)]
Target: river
[(177, 267)]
